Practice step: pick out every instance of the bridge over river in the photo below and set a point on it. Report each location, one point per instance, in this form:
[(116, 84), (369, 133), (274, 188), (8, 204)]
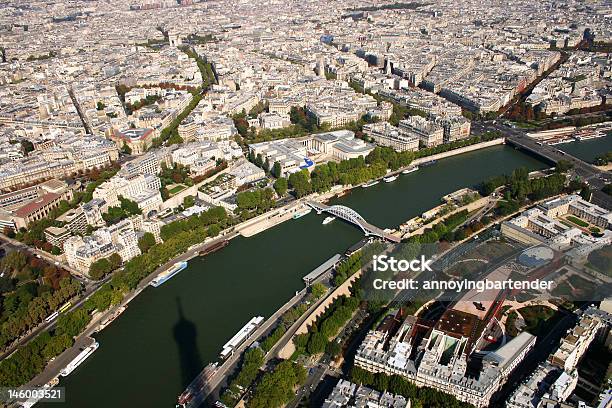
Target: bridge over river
[(352, 216)]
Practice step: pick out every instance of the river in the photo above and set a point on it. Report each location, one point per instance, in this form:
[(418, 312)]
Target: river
[(167, 334), (588, 150)]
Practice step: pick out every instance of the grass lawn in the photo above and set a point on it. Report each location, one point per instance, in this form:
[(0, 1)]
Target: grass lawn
[(176, 189), (577, 221), (539, 319)]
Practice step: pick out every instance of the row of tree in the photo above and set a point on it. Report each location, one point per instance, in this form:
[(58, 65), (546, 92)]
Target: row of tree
[(327, 325), (396, 384), (323, 177), (252, 361), (30, 304), (213, 216), (359, 170), (104, 266), (292, 315), (347, 268), (259, 200), (169, 134), (276, 388), (443, 230), (29, 360), (254, 357), (603, 159)]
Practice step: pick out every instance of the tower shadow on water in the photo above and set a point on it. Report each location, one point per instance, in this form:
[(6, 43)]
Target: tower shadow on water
[(185, 335)]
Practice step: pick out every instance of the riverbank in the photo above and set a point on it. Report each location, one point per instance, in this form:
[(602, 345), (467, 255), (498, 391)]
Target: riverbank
[(455, 152)]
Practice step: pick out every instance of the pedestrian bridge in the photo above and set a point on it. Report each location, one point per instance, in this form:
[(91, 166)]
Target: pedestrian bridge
[(352, 216)]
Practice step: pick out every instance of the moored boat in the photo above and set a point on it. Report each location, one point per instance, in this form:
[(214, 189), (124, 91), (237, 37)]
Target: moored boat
[(410, 169), (166, 275), (370, 184)]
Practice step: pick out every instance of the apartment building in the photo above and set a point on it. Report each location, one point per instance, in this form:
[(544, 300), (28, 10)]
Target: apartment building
[(429, 133), (385, 134), (442, 356)]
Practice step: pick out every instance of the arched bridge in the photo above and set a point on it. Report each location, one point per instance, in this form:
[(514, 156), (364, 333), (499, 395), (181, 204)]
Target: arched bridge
[(352, 216)]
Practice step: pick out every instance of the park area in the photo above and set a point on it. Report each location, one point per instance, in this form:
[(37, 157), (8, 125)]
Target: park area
[(175, 189)]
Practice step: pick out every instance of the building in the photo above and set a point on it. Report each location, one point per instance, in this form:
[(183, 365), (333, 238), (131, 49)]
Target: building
[(291, 154), (456, 127), (542, 225), (385, 134), (439, 359), (340, 145), (20, 207), (37, 209), (428, 131), (138, 140), (273, 121), (348, 395), (81, 252), (246, 172), (56, 236), (575, 343), (119, 238), (554, 381), (143, 189)]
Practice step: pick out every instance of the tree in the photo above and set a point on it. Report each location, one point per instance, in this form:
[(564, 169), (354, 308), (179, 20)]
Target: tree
[(280, 186), (333, 349), (126, 149), (27, 146), (100, 105), (317, 290), (259, 160), (115, 261), (98, 269), (585, 193), (563, 166), (14, 261), (276, 169), (129, 206), (300, 183), (213, 230), (188, 201), (8, 231), (146, 242), (317, 343), (266, 165)]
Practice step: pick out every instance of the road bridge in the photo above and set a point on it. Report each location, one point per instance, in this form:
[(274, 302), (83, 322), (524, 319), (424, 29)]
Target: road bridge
[(519, 139), (352, 216)]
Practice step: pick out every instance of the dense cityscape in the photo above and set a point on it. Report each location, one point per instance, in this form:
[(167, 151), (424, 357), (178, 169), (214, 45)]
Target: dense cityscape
[(196, 196)]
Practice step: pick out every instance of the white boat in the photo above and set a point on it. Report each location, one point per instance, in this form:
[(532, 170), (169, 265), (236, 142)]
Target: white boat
[(78, 360), (370, 184), (410, 169), (301, 214), (327, 220), (389, 179), (164, 276)]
